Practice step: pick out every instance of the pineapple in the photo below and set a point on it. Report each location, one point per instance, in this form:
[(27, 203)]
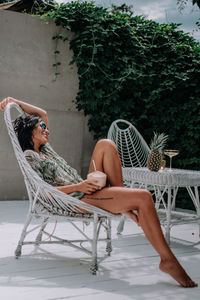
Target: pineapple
[(154, 160)]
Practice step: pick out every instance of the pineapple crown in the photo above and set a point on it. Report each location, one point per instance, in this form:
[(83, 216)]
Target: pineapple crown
[(159, 141)]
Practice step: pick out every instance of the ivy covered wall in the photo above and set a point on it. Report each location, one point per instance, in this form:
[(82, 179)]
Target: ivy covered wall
[(135, 69)]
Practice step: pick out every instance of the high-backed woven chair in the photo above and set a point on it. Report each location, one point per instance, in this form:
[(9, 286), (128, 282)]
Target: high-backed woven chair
[(46, 202), (132, 149)]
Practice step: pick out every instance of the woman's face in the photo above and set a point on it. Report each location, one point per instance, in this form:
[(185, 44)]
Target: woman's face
[(40, 134)]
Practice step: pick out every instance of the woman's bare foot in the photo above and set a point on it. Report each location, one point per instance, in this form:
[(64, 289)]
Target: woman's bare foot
[(173, 268)]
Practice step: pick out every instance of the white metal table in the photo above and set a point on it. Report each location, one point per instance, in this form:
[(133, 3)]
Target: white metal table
[(168, 183)]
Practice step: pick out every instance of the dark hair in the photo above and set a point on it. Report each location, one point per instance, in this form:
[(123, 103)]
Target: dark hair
[(23, 127)]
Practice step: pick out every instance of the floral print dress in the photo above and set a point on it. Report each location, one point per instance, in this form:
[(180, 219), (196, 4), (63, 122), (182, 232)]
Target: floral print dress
[(53, 169)]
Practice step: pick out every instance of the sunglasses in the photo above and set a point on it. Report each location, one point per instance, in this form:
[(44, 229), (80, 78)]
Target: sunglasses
[(43, 125)]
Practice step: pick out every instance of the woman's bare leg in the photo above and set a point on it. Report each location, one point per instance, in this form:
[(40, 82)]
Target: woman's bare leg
[(122, 200), (107, 160)]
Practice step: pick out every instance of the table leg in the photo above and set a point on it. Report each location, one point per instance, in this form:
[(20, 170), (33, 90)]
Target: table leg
[(198, 204), (168, 215), (160, 192), (194, 195), (175, 191)]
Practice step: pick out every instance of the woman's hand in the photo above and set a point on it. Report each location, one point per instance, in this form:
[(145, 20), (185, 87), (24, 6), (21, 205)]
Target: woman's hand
[(88, 186), (4, 102), (28, 108)]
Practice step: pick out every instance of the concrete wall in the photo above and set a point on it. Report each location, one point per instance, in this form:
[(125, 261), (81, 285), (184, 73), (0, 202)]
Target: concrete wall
[(26, 73)]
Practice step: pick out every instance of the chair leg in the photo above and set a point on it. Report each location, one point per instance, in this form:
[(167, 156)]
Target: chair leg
[(109, 244), (94, 264), (167, 234), (18, 250), (39, 236), (120, 226)]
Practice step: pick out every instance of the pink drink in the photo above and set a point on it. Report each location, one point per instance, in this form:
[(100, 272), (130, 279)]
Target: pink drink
[(98, 176)]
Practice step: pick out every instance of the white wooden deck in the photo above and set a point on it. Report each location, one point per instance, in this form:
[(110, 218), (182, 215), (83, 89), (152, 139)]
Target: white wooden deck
[(59, 272)]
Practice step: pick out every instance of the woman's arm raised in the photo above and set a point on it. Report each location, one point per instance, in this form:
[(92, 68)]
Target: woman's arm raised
[(28, 108)]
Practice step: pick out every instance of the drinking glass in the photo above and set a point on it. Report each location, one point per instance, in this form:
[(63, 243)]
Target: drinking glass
[(171, 153)]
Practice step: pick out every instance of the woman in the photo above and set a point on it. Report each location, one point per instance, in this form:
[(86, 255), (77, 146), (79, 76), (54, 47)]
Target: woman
[(33, 133)]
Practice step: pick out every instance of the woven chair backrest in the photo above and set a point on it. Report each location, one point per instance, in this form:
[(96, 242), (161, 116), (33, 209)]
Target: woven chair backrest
[(132, 148), (26, 169), (38, 190)]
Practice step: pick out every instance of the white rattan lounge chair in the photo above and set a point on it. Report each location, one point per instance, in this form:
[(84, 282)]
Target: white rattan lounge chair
[(46, 202), (132, 149)]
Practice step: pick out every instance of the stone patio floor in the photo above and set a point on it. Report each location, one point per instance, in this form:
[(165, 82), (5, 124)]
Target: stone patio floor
[(57, 272)]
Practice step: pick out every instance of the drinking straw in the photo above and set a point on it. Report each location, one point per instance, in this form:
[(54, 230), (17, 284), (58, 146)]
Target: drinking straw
[(94, 165)]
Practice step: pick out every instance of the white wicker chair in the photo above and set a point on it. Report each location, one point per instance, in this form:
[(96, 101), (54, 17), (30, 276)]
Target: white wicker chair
[(46, 202), (132, 149)]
